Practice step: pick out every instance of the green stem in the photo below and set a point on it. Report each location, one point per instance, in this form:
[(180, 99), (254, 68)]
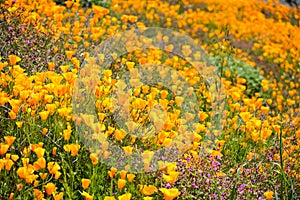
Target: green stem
[(111, 187), (65, 184), (283, 180)]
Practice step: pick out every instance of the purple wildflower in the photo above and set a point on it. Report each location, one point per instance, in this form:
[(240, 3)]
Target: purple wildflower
[(215, 195), (168, 185)]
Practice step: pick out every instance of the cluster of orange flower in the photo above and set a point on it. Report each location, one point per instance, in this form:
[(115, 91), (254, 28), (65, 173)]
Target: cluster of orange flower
[(44, 99)]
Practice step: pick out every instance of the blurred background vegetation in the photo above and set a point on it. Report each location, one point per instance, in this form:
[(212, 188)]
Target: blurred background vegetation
[(107, 3)]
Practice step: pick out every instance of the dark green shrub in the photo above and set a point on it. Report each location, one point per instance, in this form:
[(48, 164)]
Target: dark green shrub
[(238, 68)]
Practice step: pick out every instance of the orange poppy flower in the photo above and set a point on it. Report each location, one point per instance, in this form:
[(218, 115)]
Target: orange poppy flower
[(38, 194), (255, 136), (109, 198), (11, 196), (43, 175), (133, 18), (186, 50), (147, 190), (130, 177), (9, 140), (203, 115), (269, 195), (26, 151), (48, 98), (130, 65), (44, 131), (14, 157), (85, 183), (44, 115), (2, 65), (170, 194), (94, 158), (69, 4), (276, 128), (19, 124), (87, 196), (123, 174), (51, 66), (53, 167), (8, 164), (51, 108), (120, 134), (112, 172), (147, 155), (170, 167), (58, 196), (50, 188), (3, 148), (245, 116), (57, 175), (128, 150), (40, 164), (64, 68), (54, 151), (126, 196), (73, 148), (67, 134), (22, 172), (171, 178), (12, 115), (33, 147), (14, 59), (39, 152)]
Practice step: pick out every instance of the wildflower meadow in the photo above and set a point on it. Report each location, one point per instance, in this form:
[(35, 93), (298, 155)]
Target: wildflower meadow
[(150, 99)]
